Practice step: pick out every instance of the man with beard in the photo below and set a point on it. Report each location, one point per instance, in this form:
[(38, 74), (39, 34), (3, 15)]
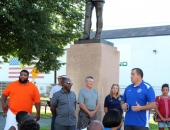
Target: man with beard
[(63, 106), (138, 99), (22, 95)]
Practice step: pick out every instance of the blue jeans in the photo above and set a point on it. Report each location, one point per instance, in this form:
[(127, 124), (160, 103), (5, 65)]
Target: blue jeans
[(163, 124), (52, 123)]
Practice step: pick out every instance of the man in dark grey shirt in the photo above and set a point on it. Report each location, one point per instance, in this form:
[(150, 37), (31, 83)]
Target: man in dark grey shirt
[(63, 107)]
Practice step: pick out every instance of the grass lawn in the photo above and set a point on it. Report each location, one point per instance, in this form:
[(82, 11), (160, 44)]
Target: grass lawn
[(45, 128), (154, 125), (45, 116)]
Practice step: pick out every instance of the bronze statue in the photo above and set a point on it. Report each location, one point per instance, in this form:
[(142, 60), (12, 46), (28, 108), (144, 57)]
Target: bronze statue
[(90, 4)]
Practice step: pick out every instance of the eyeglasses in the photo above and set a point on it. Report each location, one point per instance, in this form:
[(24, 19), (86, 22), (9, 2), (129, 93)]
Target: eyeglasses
[(69, 83)]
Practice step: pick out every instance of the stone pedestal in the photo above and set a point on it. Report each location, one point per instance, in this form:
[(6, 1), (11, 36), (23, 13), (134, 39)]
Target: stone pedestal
[(93, 59)]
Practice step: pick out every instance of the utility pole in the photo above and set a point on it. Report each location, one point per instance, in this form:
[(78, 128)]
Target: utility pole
[(55, 77)]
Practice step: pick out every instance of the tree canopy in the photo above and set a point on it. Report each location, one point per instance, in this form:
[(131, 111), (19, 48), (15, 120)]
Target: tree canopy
[(37, 31)]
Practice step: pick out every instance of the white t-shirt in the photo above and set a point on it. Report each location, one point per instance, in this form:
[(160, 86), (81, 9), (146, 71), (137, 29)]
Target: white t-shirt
[(54, 89)]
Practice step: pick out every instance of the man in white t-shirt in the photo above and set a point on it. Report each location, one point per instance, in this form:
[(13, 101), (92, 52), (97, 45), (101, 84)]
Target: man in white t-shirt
[(54, 90)]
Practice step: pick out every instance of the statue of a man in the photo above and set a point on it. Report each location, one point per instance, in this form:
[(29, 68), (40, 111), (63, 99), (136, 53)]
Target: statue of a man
[(90, 4)]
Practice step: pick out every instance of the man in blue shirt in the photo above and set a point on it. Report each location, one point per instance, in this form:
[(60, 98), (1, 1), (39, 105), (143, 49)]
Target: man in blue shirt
[(138, 99)]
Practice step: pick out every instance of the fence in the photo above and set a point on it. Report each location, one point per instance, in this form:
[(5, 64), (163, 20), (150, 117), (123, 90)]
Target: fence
[(3, 86)]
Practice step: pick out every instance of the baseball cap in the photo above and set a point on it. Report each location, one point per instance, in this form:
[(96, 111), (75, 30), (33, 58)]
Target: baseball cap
[(61, 76)]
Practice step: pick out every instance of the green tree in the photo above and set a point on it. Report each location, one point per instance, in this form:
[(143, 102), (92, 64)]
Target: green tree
[(36, 31)]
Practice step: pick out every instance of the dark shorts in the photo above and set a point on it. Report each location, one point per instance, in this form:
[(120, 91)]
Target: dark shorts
[(128, 127), (84, 119)]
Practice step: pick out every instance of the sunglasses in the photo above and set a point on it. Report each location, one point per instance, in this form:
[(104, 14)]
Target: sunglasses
[(69, 83)]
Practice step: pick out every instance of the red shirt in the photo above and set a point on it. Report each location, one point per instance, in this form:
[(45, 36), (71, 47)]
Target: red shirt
[(163, 107)]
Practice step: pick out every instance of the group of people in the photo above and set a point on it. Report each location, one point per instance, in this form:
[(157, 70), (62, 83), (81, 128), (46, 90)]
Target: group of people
[(63, 105), (137, 100)]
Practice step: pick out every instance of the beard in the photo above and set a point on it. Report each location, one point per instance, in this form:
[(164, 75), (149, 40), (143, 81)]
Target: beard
[(68, 90), (23, 81)]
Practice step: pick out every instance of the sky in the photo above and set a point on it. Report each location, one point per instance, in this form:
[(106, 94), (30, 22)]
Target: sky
[(118, 14)]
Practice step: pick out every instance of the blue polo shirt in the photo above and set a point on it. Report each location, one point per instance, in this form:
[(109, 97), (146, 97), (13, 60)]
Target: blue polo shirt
[(142, 94), (113, 103)]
